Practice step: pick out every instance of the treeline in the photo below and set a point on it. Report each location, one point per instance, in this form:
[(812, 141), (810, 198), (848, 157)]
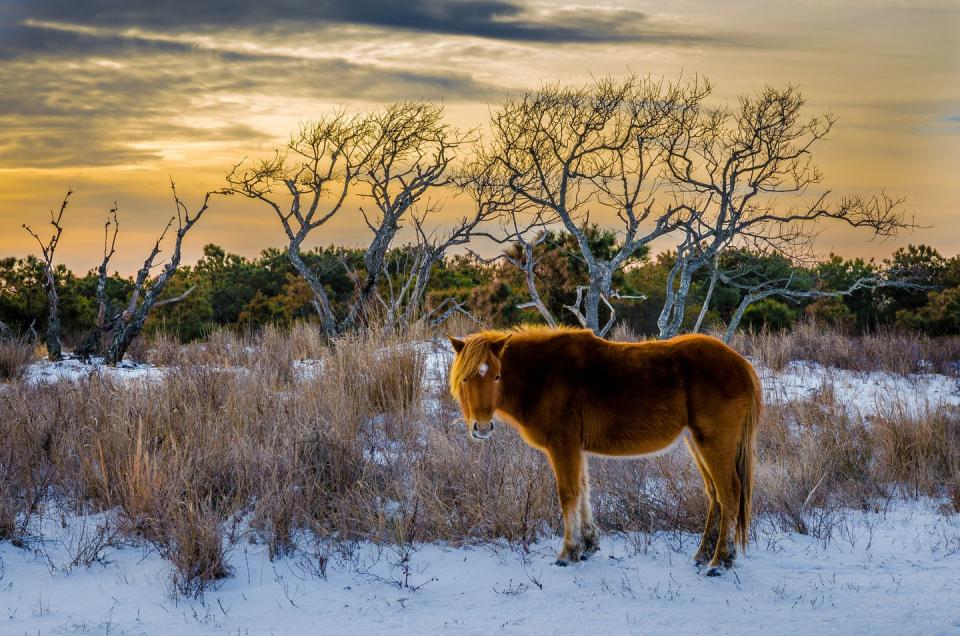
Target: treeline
[(730, 189), (239, 293)]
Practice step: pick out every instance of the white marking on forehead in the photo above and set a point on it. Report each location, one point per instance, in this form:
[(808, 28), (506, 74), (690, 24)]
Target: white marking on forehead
[(482, 369)]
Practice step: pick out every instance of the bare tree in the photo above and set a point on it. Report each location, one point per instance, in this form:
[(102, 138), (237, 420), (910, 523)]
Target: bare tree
[(93, 343), (564, 149), (411, 151), (317, 169), (393, 157), (784, 288), (746, 173), (48, 249), (522, 227), (406, 302), (146, 292)]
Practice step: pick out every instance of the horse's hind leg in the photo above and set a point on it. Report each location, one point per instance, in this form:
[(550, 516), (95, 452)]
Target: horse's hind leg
[(589, 533), (567, 466), (719, 456), (711, 528)]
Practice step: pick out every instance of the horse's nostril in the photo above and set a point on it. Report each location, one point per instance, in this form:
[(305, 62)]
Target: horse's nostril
[(475, 427)]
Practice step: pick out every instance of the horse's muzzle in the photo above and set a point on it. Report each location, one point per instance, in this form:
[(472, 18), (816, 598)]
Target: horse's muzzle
[(477, 433)]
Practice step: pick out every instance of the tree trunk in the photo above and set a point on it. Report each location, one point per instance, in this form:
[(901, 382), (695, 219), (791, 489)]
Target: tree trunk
[(669, 299), (124, 336), (54, 349), (671, 319), (737, 316), (601, 279), (321, 302), (745, 302), (706, 302)]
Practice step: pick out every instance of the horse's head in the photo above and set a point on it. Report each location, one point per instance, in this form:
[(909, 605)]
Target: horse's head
[(475, 380)]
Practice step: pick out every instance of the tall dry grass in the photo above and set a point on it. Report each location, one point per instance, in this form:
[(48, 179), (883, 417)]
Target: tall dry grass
[(283, 438), (888, 350), (15, 355)]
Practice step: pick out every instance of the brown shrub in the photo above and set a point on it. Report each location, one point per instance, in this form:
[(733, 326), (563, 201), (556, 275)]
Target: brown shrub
[(15, 355), (920, 452)]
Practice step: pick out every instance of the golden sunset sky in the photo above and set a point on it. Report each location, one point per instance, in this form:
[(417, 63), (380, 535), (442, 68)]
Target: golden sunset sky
[(114, 97)]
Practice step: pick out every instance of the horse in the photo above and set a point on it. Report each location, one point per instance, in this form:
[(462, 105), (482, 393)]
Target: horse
[(571, 394)]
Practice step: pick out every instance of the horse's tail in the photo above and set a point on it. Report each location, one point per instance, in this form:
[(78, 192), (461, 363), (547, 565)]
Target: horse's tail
[(745, 461)]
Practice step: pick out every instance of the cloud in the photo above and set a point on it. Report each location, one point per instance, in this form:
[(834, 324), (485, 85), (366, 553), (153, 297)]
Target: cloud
[(498, 19), (109, 82), (102, 109)]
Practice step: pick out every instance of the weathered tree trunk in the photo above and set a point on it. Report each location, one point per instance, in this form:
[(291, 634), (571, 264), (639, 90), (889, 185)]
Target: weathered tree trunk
[(6, 333), (706, 302), (52, 336), (124, 336), (745, 302), (674, 307), (592, 305), (321, 301)]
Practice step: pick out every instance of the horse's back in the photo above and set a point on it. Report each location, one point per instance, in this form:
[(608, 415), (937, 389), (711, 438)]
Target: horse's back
[(667, 385)]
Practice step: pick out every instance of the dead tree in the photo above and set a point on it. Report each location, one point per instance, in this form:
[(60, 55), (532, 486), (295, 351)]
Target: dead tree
[(527, 263), (411, 150), (93, 344), (406, 303), (393, 157), (522, 227), (147, 291), (6, 333), (564, 150), (316, 170), (48, 249), (783, 287), (745, 173)]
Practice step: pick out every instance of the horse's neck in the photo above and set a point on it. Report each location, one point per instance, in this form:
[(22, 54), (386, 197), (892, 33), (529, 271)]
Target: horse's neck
[(514, 372)]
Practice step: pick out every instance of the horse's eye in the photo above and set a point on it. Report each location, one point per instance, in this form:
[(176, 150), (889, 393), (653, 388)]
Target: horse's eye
[(464, 381), (496, 379)]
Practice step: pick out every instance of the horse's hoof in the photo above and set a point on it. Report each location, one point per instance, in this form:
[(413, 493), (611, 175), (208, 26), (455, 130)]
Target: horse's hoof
[(714, 571), (561, 563)]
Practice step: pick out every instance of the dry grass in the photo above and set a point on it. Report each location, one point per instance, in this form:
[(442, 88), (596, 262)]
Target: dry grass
[(891, 351), (239, 443), (15, 355)]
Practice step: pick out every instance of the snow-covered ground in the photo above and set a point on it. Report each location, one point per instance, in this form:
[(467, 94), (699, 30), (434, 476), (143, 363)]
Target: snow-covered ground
[(73, 369), (861, 393), (891, 573)]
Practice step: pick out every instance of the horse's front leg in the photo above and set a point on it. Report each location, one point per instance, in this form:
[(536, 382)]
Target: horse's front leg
[(589, 533), (567, 465)]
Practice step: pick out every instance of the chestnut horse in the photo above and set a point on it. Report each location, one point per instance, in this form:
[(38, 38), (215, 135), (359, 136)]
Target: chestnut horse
[(568, 392)]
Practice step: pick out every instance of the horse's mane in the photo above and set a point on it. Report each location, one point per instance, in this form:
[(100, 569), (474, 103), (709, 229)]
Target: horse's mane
[(477, 347)]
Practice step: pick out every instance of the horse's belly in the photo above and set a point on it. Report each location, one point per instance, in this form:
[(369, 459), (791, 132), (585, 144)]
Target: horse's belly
[(633, 441)]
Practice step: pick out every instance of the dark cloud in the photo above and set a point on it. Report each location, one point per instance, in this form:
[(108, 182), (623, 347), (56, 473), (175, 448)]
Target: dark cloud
[(105, 82), (499, 19), (86, 111)]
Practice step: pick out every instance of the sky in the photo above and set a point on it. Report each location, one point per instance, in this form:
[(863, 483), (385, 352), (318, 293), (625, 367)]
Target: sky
[(113, 98)]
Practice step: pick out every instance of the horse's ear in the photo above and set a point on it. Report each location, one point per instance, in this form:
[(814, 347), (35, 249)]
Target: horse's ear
[(457, 343), (496, 348)]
